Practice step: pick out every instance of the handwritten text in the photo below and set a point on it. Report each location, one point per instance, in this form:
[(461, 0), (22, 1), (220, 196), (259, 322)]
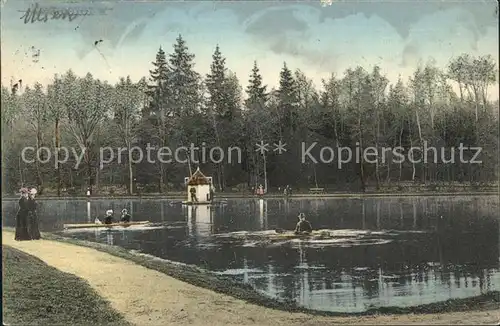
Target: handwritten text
[(36, 13)]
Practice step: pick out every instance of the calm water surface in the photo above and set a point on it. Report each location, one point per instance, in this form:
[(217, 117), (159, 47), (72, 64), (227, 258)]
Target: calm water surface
[(457, 256)]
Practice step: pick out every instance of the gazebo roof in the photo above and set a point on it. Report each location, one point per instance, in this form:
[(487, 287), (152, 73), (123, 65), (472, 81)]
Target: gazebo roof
[(198, 178)]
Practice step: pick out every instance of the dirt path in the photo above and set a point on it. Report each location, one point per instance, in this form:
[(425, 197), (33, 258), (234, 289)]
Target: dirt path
[(148, 297)]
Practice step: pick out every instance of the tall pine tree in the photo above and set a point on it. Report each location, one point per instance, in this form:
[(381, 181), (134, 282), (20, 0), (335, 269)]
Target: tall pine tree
[(184, 80), (154, 128), (223, 109), (256, 92), (258, 126), (185, 99), (286, 165), (287, 95)]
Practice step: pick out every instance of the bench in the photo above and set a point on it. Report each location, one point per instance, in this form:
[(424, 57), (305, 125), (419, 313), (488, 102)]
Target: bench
[(317, 190)]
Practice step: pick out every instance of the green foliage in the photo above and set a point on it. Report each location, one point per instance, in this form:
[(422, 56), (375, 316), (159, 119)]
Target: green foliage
[(175, 106)]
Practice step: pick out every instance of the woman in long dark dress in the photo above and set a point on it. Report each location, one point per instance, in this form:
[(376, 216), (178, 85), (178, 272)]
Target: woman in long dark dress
[(33, 230), (22, 217)]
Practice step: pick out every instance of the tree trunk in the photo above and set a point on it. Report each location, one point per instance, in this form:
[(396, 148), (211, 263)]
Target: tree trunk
[(220, 169), (130, 171), (39, 173), (315, 176), (97, 176), (378, 214), (412, 163), (361, 169), (423, 177), (363, 214), (265, 173), (89, 167), (21, 179), (460, 87), (377, 165), (58, 167), (401, 145)]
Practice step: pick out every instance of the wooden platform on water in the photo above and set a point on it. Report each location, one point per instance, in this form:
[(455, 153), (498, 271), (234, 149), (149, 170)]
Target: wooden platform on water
[(95, 225), (196, 203)]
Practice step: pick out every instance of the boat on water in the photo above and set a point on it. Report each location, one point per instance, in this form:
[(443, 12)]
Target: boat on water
[(280, 235), (291, 235), (277, 235), (96, 225), (186, 202)]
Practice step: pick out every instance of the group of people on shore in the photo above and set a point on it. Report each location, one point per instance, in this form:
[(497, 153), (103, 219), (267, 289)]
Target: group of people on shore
[(27, 217), (259, 191)]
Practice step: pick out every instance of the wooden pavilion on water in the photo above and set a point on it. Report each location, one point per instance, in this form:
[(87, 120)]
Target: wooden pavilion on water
[(199, 189)]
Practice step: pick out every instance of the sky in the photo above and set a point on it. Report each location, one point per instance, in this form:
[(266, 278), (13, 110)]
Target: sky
[(396, 35)]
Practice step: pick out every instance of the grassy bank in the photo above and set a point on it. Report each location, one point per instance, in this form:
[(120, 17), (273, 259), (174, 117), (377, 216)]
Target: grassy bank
[(37, 294), (205, 279)]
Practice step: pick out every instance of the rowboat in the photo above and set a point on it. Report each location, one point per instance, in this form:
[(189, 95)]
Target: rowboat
[(95, 225), (292, 235), (196, 202), (275, 235), (283, 235)]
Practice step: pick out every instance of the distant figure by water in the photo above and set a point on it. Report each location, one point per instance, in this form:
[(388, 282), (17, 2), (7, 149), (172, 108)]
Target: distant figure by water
[(260, 191), (192, 191)]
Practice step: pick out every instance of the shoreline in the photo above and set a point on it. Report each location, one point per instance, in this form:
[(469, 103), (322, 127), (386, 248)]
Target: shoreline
[(177, 196), (208, 281)]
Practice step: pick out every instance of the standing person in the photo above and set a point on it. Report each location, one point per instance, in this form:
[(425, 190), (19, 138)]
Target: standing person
[(261, 191), (192, 191), (211, 193), (22, 217), (33, 229)]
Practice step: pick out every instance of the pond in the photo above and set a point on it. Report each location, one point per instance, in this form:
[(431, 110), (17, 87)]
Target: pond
[(446, 247)]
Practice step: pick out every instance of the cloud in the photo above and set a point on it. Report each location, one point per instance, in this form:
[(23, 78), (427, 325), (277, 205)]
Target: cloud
[(411, 56)]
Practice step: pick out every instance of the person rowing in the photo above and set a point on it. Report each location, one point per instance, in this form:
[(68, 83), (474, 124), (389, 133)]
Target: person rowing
[(108, 219), (125, 218), (303, 226)]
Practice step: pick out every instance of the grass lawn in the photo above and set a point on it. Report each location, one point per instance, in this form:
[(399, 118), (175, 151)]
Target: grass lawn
[(37, 294)]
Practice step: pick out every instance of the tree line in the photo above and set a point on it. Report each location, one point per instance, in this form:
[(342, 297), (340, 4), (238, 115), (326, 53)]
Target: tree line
[(176, 106)]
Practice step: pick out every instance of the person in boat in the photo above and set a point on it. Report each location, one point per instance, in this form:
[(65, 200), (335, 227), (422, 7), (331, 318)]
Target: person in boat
[(125, 218), (108, 219), (192, 191), (22, 217), (33, 229), (303, 226)]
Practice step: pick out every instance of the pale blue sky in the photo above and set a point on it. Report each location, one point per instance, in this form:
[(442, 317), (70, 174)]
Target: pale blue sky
[(319, 41)]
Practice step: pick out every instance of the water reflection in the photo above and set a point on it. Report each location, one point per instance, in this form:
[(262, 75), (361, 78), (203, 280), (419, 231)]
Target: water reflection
[(199, 220), (458, 257)]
